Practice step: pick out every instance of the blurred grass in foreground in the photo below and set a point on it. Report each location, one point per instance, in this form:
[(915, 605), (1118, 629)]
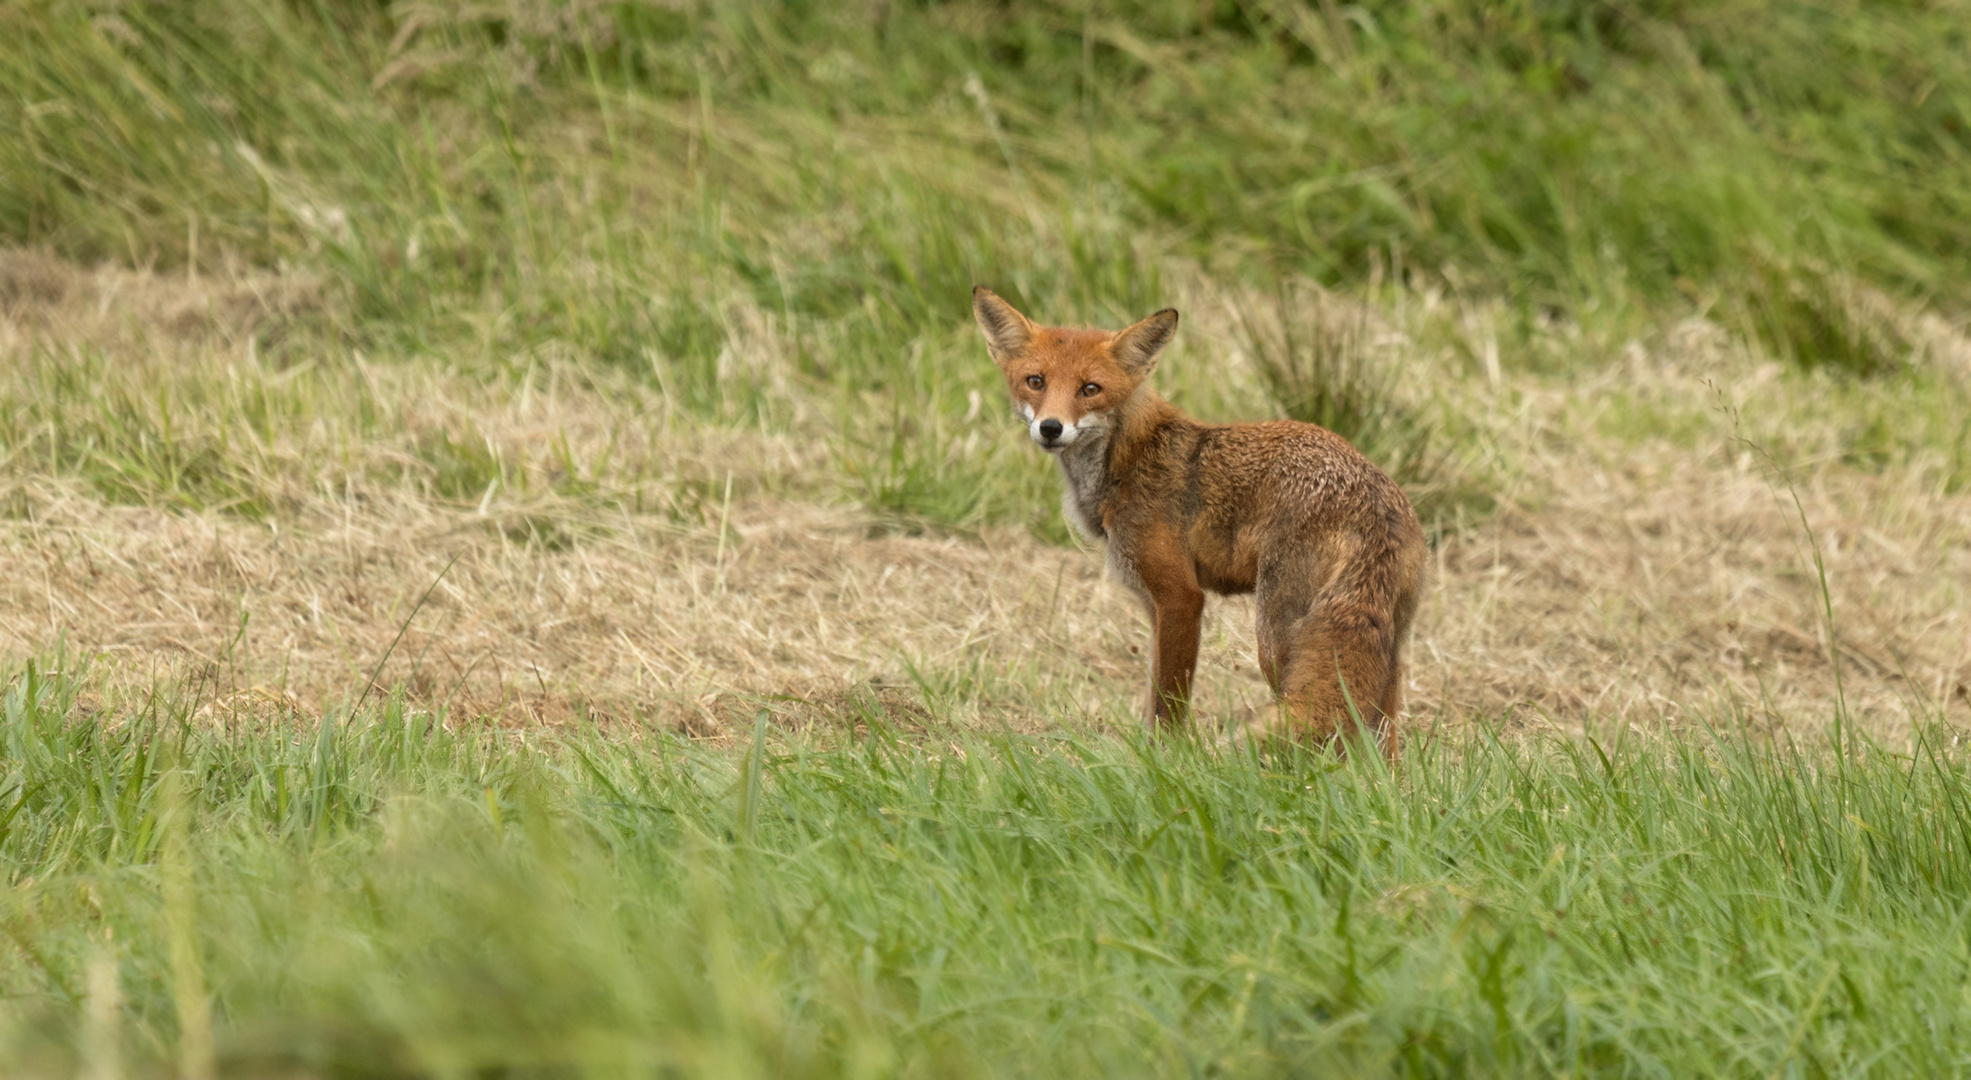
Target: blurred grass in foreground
[(382, 896)]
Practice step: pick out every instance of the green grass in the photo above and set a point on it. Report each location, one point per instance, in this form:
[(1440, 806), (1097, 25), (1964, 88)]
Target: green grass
[(633, 185), (1542, 146), (383, 896)]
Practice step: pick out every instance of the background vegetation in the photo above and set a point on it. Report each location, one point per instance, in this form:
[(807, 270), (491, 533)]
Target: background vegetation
[(628, 183), (536, 280)]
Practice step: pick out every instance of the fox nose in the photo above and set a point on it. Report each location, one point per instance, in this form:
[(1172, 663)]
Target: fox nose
[(1050, 430)]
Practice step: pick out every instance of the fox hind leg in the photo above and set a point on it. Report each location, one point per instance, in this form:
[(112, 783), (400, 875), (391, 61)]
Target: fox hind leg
[(1341, 675), (1331, 657), (1332, 625), (1282, 602), (1333, 660), (1327, 661)]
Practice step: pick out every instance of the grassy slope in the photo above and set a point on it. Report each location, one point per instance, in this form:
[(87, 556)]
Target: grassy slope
[(1567, 151), (661, 198), (673, 192)]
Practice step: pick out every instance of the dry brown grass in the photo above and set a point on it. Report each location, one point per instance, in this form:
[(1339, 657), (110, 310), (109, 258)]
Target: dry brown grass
[(1625, 580)]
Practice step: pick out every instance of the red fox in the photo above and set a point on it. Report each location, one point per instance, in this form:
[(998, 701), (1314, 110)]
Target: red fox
[(1328, 544)]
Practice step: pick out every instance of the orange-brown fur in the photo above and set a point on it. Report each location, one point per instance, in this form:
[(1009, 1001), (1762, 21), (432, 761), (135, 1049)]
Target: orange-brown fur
[(1288, 511)]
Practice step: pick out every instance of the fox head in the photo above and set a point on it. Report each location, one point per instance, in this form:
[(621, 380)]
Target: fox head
[(1068, 383)]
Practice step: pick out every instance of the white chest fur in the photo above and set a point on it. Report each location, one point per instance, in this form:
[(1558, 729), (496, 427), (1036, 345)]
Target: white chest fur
[(1085, 466)]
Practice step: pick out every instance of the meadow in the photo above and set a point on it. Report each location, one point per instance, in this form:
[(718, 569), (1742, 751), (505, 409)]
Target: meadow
[(514, 561)]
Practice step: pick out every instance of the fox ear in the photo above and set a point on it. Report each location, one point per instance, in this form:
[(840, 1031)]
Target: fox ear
[(1007, 332), (1137, 347)]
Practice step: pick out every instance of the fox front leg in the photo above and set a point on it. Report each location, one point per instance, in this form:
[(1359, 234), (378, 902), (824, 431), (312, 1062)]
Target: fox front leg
[(1176, 658), (1176, 607)]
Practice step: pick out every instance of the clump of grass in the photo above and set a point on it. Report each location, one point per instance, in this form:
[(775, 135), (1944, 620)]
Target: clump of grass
[(1806, 312), (460, 469), (134, 443), (1326, 361)]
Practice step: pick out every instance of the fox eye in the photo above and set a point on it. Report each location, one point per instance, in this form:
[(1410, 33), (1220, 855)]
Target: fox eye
[(1036, 381), (1090, 389)]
